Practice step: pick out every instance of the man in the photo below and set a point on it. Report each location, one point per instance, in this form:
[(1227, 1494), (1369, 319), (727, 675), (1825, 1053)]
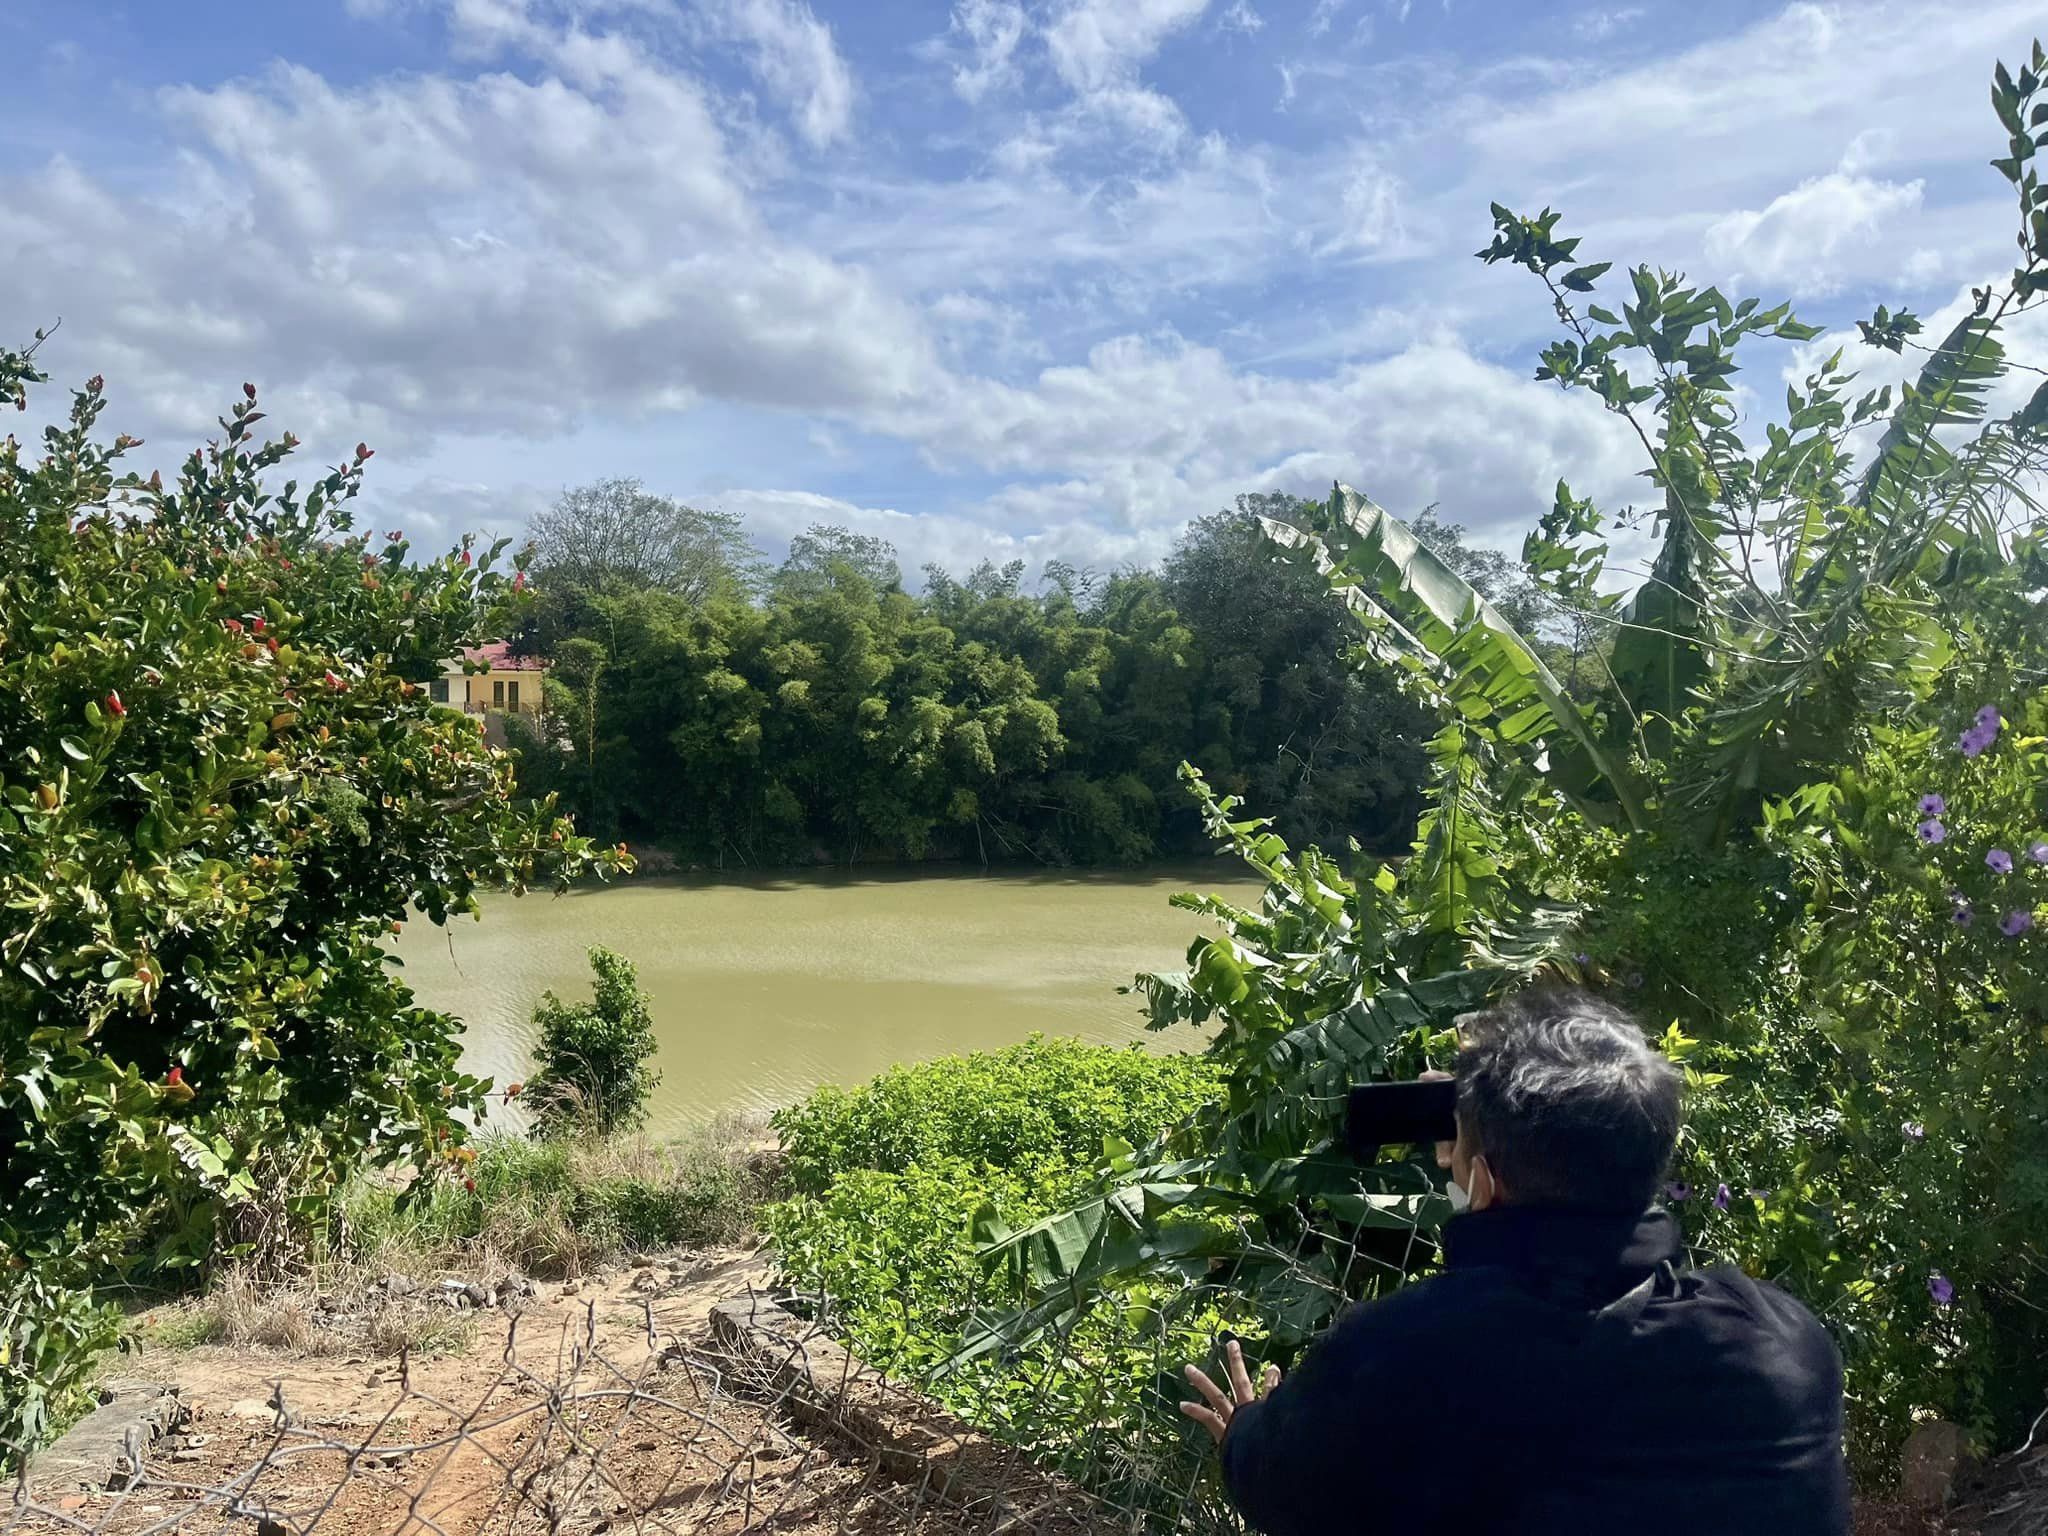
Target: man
[(1565, 1372)]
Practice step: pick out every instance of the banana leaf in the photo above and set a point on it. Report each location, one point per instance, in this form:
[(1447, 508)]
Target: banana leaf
[(1417, 609)]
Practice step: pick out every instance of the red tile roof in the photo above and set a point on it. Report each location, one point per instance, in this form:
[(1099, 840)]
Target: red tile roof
[(499, 658)]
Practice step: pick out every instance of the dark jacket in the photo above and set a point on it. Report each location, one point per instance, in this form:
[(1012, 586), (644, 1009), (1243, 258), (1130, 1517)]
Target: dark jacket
[(1562, 1375)]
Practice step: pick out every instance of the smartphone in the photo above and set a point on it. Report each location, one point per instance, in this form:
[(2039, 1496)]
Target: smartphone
[(1399, 1114)]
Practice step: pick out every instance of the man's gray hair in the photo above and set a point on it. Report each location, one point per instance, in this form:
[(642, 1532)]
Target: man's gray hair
[(1567, 1100)]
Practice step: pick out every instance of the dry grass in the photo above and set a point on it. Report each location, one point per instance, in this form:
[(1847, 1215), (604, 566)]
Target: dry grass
[(339, 1311), (557, 1209)]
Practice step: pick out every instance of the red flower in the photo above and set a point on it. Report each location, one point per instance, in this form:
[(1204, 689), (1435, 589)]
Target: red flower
[(284, 565), (249, 390), (175, 1076), (234, 626), (465, 557), (336, 683), (519, 582), (470, 1185), (257, 625), (363, 451), (115, 707)]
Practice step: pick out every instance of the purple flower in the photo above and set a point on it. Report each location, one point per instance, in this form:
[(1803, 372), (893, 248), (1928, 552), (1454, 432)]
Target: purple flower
[(1989, 719), (2016, 922), (1942, 1289), (1933, 805), (1932, 831), (1678, 1194), (2038, 851), (1962, 915), (1975, 741), (1998, 861), (1582, 958), (1721, 1198), (1913, 1130)]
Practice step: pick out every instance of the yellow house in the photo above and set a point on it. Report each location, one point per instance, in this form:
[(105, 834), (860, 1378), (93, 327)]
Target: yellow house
[(509, 686)]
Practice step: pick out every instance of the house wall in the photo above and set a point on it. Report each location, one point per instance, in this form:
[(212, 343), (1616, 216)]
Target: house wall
[(495, 690)]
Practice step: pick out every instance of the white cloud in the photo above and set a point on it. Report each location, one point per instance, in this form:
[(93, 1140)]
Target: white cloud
[(1737, 108), (1324, 16), (1598, 26), (1241, 18), (420, 255), (993, 28), (1799, 239), (1370, 207), (794, 55), (1097, 44)]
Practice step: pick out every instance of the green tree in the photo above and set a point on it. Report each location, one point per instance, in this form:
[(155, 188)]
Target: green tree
[(592, 1061), (614, 534), (222, 789)]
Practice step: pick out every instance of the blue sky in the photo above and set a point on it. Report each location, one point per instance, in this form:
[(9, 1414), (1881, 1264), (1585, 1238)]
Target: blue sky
[(1023, 278)]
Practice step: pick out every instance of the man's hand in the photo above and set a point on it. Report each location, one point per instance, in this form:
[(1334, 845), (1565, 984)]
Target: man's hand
[(1215, 1412)]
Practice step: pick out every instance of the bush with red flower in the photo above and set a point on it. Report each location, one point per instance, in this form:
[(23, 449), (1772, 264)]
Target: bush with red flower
[(204, 844)]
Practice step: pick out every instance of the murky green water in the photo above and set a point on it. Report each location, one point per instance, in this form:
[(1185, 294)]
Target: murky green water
[(764, 989)]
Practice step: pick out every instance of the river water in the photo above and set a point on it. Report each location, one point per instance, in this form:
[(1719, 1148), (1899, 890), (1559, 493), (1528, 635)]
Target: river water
[(763, 989)]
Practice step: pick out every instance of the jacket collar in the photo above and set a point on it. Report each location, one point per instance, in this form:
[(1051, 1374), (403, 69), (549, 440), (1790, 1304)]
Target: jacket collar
[(1561, 1240)]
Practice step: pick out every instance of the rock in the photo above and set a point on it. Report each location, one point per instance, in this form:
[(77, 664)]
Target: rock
[(647, 1282), (476, 1294), (251, 1408), (399, 1285), (1934, 1454), (569, 1288), (642, 1261)]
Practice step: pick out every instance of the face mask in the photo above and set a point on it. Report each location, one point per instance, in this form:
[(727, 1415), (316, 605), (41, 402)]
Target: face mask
[(1460, 1198)]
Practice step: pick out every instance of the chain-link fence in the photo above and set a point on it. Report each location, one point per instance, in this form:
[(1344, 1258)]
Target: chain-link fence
[(752, 1420)]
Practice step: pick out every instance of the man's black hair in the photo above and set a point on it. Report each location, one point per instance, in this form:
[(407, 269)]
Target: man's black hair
[(1567, 1100)]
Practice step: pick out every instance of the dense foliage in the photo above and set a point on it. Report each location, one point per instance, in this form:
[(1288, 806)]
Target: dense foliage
[(592, 1073), (1801, 824), (222, 789), (894, 1185), (831, 715)]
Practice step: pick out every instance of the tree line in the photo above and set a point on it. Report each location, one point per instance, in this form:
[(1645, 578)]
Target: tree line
[(818, 711)]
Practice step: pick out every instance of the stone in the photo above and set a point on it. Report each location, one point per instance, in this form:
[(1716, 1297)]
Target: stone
[(399, 1285), (101, 1450), (476, 1294), (1934, 1454)]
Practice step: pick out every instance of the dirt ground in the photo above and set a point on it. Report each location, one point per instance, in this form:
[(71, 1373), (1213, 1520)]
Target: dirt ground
[(571, 1413)]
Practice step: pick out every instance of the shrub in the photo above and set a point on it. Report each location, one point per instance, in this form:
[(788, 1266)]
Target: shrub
[(222, 788), (899, 1184), (593, 1056), (1045, 1099)]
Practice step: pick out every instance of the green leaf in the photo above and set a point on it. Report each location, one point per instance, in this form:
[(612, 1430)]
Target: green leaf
[(1417, 605), (1581, 279)]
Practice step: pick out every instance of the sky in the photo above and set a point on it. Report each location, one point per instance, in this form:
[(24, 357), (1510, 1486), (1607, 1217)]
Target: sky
[(990, 278)]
